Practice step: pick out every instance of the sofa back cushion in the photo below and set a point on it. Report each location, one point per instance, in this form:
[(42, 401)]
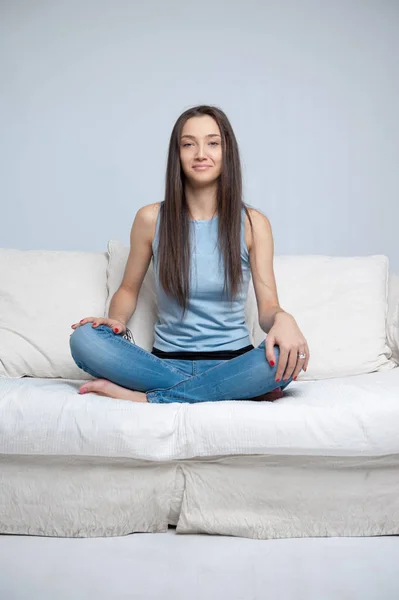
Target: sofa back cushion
[(340, 305), (41, 294)]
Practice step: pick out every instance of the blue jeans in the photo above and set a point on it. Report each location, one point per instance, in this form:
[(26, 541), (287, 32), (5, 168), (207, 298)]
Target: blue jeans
[(104, 354)]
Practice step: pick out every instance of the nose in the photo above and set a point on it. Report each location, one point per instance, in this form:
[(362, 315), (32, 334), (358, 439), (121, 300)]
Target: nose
[(200, 152)]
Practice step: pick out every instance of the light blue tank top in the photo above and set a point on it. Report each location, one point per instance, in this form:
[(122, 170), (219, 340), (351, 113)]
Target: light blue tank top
[(211, 321)]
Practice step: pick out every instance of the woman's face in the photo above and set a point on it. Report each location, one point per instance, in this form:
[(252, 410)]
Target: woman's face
[(201, 150)]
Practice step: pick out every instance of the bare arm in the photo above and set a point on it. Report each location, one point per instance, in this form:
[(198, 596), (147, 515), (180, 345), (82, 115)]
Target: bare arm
[(281, 327), (124, 301), (261, 260)]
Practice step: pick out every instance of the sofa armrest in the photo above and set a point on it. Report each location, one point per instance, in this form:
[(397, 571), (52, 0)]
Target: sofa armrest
[(393, 316)]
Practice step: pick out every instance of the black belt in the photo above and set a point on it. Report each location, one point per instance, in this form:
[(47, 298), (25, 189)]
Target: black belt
[(211, 355)]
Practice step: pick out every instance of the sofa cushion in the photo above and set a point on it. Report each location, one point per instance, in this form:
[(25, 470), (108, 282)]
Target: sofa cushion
[(350, 416), (393, 317), (340, 304), (42, 293)]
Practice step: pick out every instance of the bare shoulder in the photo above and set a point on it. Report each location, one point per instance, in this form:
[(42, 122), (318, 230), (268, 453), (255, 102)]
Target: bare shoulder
[(148, 214), (146, 219), (262, 228)]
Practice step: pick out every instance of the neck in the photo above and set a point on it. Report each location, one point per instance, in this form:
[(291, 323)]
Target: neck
[(201, 202)]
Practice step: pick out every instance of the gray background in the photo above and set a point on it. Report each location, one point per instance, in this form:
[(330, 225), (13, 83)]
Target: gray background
[(90, 91)]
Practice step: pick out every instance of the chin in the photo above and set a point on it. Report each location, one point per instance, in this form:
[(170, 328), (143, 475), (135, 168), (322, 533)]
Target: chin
[(202, 178), (202, 181)]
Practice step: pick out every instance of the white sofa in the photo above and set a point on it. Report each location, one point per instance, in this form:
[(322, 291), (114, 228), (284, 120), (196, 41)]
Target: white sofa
[(322, 461)]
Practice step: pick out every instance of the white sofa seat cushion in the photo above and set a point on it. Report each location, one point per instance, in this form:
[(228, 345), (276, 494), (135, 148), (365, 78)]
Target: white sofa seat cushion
[(340, 304), (353, 416), (42, 293)]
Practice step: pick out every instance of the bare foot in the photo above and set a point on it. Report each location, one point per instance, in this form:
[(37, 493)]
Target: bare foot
[(269, 396), (103, 387)]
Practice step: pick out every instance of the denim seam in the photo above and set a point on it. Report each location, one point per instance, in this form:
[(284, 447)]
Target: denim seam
[(196, 377)]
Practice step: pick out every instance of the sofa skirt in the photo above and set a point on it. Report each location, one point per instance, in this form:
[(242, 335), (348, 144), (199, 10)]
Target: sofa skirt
[(252, 496)]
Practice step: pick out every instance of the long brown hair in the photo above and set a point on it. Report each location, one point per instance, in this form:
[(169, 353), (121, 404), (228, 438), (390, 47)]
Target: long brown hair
[(174, 242)]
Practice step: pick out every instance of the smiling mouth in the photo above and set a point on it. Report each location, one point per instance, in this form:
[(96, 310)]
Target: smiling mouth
[(201, 167)]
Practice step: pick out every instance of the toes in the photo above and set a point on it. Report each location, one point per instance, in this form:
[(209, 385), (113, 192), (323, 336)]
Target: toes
[(98, 385)]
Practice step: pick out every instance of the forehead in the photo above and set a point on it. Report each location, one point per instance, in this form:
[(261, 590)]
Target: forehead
[(200, 126)]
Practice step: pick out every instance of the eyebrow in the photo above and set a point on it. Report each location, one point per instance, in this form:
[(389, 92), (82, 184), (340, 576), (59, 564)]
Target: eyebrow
[(192, 137)]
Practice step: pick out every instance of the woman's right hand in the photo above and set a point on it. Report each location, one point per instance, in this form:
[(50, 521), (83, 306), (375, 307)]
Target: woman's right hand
[(116, 326)]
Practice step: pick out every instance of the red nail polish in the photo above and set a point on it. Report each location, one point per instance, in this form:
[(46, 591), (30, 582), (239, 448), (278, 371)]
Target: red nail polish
[(272, 363), (294, 378), (278, 380), (116, 330), (94, 324)]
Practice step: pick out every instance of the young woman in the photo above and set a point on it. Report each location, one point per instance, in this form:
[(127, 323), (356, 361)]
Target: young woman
[(205, 244)]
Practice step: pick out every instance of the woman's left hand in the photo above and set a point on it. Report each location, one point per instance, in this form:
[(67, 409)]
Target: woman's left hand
[(286, 334)]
